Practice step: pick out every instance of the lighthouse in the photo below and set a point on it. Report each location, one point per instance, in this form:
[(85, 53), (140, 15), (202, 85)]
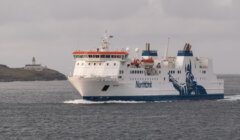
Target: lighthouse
[(34, 66)]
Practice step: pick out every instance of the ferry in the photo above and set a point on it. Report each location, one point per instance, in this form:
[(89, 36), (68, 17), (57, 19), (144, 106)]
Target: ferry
[(104, 74)]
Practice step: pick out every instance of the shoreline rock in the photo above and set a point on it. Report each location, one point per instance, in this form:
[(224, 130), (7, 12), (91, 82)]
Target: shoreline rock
[(8, 74)]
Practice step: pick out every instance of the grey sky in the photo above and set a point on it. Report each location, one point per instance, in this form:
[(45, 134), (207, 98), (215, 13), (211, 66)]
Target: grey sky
[(51, 29)]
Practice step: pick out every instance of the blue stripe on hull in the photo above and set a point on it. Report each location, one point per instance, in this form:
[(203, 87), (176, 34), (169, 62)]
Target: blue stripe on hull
[(155, 98)]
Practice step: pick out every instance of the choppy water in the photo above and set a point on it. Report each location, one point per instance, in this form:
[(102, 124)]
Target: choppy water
[(54, 110)]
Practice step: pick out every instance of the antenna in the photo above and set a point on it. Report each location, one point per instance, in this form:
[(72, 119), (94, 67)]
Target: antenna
[(33, 60), (166, 52), (105, 41)]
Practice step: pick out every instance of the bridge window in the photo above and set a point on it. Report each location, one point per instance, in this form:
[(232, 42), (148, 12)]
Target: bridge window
[(118, 56), (85, 56), (90, 56), (107, 56), (103, 56), (113, 56)]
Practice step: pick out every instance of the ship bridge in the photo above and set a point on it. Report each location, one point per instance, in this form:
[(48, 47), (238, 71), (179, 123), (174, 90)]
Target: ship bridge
[(101, 55)]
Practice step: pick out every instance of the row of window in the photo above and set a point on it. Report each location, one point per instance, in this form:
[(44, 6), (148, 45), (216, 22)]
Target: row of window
[(201, 78), (203, 67), (141, 72), (100, 56), (173, 72), (179, 72), (89, 64), (121, 72), (136, 72), (143, 79), (150, 79)]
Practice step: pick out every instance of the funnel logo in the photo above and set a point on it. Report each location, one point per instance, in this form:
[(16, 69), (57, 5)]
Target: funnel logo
[(190, 87)]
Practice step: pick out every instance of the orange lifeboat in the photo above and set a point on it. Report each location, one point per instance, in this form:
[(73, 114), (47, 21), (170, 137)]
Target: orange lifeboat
[(135, 62), (147, 62)]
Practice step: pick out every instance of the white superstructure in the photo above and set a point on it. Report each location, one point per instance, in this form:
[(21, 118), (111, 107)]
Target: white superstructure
[(103, 74)]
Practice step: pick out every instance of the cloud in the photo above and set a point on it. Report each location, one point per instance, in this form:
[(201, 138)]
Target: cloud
[(52, 29), (37, 10), (204, 9)]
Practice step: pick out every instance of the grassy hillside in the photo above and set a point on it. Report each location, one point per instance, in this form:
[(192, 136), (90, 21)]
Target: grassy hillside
[(19, 74)]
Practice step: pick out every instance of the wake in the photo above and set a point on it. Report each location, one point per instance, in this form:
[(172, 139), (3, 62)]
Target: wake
[(231, 98), (82, 101)]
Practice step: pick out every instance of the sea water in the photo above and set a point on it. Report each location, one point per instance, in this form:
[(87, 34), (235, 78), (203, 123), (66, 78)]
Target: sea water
[(54, 110)]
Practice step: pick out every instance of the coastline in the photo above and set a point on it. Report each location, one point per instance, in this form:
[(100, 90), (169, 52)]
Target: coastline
[(8, 74)]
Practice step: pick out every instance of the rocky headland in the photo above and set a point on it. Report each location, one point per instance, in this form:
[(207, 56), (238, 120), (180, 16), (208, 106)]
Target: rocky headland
[(8, 74)]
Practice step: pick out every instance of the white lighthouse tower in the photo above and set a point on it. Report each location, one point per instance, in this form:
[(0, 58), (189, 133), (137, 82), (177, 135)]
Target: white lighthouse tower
[(34, 66)]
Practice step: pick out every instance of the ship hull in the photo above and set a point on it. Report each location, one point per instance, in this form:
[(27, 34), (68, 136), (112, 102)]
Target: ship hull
[(155, 98), (90, 89)]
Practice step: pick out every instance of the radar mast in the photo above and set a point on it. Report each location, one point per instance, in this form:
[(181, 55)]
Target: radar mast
[(105, 43)]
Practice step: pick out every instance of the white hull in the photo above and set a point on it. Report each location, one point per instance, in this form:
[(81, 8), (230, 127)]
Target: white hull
[(93, 87)]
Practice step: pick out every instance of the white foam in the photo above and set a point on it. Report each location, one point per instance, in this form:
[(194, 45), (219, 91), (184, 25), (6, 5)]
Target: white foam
[(232, 98), (82, 101)]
